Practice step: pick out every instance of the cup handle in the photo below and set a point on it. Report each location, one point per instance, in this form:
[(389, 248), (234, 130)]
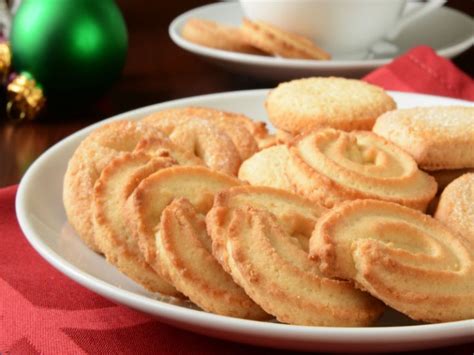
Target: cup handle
[(414, 15)]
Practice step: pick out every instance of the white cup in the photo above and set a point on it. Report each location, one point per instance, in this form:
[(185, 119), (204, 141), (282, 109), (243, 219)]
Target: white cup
[(345, 28)]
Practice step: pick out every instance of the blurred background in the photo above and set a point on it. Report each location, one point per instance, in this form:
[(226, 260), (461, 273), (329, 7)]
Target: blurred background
[(155, 70)]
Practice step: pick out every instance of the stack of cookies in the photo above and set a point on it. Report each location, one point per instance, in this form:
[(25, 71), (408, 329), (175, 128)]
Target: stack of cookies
[(322, 223), (253, 37)]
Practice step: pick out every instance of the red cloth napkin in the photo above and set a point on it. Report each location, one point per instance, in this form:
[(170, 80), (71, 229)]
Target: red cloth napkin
[(421, 70), (42, 311)]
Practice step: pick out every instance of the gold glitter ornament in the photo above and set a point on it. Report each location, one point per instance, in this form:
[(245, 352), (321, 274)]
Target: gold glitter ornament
[(25, 98), (5, 61)]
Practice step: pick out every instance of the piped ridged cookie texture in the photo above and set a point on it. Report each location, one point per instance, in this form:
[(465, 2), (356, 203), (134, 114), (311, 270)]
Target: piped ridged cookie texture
[(244, 132), (331, 166), (84, 167), (403, 257), (259, 236), (185, 257), (116, 183), (167, 212)]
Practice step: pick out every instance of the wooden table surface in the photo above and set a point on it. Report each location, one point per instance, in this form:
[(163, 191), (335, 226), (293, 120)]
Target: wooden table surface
[(156, 70)]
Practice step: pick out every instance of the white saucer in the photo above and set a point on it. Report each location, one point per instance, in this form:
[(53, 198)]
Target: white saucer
[(448, 31), (42, 219)]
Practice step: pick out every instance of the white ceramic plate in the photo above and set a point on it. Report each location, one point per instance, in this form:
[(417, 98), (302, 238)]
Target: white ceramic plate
[(42, 218), (448, 31)]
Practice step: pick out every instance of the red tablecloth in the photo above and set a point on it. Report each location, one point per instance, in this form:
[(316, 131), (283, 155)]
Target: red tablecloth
[(42, 311)]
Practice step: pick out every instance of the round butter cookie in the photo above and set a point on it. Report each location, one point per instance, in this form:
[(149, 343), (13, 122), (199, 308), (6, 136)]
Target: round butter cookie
[(456, 207), (267, 168), (332, 166), (273, 40), (437, 138), (86, 164), (185, 256), (244, 133), (405, 258), (215, 35), (115, 184), (347, 104), (257, 235)]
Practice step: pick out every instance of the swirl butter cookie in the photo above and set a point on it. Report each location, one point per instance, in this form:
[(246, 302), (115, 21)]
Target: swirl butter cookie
[(276, 41), (144, 207), (86, 164), (185, 256), (347, 104), (115, 184), (244, 133), (436, 137), (403, 257), (215, 35), (331, 166), (259, 236), (203, 139), (267, 168), (167, 210), (456, 207), (162, 146)]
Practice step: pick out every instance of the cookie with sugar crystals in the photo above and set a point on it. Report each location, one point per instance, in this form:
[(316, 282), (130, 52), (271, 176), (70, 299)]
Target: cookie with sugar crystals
[(215, 35), (456, 207), (93, 154), (276, 41), (244, 132), (202, 138), (347, 104), (438, 138)]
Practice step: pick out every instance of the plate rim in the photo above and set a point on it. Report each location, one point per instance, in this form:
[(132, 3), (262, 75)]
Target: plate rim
[(249, 59), (169, 312)]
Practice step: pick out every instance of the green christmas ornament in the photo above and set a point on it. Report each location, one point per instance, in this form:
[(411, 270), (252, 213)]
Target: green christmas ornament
[(69, 46)]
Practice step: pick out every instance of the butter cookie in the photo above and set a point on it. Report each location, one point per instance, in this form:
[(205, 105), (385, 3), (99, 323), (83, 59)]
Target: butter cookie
[(347, 104), (405, 258), (276, 41), (331, 166), (456, 207), (215, 35), (257, 235), (112, 235), (84, 167), (437, 138)]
